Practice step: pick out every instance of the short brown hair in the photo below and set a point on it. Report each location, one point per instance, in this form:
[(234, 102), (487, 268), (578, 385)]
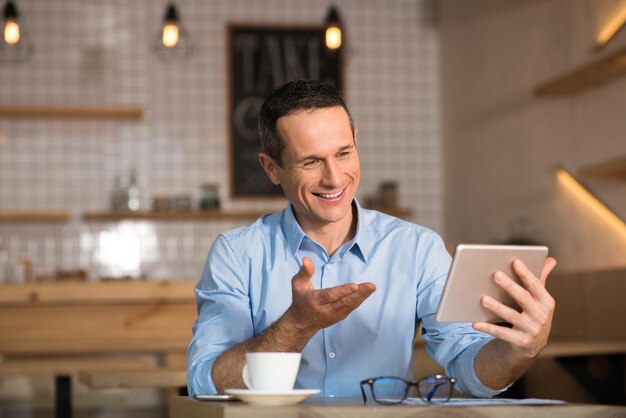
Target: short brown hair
[(288, 99)]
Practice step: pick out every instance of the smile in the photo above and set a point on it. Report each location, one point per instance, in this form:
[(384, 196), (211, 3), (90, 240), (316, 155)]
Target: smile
[(330, 195)]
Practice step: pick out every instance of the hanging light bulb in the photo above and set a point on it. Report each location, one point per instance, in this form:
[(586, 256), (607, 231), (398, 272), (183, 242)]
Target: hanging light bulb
[(11, 32), (170, 35), (333, 29), (14, 45), (173, 41)]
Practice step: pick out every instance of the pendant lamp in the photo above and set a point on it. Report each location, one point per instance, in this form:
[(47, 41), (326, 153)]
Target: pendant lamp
[(333, 29), (173, 40), (15, 43)]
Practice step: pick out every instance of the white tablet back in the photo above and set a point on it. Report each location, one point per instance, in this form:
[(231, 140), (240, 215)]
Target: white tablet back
[(471, 277)]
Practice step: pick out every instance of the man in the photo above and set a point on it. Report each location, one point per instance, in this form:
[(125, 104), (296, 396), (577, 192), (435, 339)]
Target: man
[(288, 282)]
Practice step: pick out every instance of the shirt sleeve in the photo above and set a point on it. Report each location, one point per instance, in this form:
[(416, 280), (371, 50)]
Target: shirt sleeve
[(224, 316), (453, 345)]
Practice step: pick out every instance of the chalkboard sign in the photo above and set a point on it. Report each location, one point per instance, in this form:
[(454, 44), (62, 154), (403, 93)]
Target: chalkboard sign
[(261, 59)]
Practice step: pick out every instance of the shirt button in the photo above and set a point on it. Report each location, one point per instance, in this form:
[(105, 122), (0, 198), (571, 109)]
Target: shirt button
[(331, 396), (328, 267), (331, 354)]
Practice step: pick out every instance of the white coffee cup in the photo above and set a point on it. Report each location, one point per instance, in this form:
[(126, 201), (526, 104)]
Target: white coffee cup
[(275, 372)]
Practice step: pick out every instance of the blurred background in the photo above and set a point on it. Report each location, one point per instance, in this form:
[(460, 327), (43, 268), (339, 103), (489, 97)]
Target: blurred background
[(488, 121)]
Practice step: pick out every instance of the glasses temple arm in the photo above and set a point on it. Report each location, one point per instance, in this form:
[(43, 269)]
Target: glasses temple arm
[(431, 392), (363, 393)]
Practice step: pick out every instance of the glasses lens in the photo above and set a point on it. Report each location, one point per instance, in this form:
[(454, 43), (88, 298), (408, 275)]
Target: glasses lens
[(435, 388), (389, 389)]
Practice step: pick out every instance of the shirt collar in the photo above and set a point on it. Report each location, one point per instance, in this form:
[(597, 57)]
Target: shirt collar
[(295, 234), (291, 229)]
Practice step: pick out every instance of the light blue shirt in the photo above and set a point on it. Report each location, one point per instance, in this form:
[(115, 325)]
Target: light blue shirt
[(246, 286)]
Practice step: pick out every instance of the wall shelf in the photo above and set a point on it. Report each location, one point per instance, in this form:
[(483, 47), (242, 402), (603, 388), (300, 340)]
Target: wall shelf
[(590, 75), (34, 216), (613, 168), (230, 215), (79, 112), (173, 215)]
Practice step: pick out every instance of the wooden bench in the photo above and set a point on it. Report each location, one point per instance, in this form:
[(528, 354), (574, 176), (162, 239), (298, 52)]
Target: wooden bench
[(159, 377), (64, 328)]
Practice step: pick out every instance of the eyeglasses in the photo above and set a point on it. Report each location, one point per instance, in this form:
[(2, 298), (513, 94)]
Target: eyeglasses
[(394, 390)]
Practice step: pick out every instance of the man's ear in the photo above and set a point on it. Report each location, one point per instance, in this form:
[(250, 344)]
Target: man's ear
[(270, 167), (356, 131)]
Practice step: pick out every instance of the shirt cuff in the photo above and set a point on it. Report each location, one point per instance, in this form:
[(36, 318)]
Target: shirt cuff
[(201, 380), (465, 373)]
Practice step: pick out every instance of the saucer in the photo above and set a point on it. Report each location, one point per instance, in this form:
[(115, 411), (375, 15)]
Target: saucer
[(266, 397)]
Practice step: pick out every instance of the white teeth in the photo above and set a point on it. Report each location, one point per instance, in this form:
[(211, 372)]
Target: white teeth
[(329, 196)]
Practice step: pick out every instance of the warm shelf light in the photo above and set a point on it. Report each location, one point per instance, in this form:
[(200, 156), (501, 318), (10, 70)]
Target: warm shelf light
[(333, 29), (612, 28), (584, 196)]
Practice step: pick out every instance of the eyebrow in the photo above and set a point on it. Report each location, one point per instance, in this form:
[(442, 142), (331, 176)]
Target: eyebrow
[(317, 157)]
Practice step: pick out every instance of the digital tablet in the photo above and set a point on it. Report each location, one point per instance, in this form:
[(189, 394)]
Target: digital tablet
[(471, 277)]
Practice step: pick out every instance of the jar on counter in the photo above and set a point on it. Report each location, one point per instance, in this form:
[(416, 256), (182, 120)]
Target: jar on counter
[(209, 198)]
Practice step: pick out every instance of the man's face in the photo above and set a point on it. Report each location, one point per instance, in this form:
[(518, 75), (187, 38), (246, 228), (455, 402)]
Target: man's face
[(320, 171)]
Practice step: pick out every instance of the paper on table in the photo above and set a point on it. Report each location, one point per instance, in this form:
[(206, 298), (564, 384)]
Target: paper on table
[(484, 402)]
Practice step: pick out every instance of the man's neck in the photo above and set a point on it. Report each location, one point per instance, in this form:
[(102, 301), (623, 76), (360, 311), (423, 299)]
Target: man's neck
[(331, 236)]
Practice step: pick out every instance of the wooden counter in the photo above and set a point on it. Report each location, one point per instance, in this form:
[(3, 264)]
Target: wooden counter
[(96, 318), (183, 407), (61, 329)]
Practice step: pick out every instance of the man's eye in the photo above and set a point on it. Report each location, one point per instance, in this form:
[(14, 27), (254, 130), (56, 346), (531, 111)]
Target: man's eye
[(343, 154), (310, 163)]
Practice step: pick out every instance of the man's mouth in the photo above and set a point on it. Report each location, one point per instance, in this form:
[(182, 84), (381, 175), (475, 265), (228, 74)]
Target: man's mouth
[(330, 195)]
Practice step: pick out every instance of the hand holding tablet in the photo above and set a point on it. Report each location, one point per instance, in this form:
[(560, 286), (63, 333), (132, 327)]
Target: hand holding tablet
[(471, 277)]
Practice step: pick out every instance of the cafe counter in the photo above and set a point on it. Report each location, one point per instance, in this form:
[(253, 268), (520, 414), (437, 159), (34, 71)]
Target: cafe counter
[(183, 407)]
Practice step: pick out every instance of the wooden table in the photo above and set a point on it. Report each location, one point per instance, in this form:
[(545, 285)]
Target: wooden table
[(183, 407), (65, 327)]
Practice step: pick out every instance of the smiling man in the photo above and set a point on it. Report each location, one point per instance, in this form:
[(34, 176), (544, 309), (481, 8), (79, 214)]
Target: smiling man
[(343, 285)]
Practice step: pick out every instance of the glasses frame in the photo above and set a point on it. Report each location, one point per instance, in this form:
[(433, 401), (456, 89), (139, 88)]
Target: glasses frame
[(408, 386)]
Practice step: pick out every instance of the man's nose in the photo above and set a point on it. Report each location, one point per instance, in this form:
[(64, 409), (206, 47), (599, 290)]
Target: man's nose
[(330, 176)]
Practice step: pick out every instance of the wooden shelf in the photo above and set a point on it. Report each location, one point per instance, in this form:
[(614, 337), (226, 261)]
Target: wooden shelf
[(612, 168), (34, 216), (197, 216), (173, 215), (590, 75), (93, 112)]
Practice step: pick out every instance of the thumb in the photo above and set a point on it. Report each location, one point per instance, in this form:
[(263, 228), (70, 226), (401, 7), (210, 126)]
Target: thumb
[(304, 275)]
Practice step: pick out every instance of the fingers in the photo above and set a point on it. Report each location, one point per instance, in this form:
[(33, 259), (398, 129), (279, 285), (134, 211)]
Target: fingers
[(519, 294), (508, 314), (355, 299), (510, 335), (531, 326), (547, 268), (333, 294), (302, 279), (535, 286), (318, 309)]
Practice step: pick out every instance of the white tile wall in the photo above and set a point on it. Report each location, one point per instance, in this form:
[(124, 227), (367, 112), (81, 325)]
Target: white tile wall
[(90, 52)]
